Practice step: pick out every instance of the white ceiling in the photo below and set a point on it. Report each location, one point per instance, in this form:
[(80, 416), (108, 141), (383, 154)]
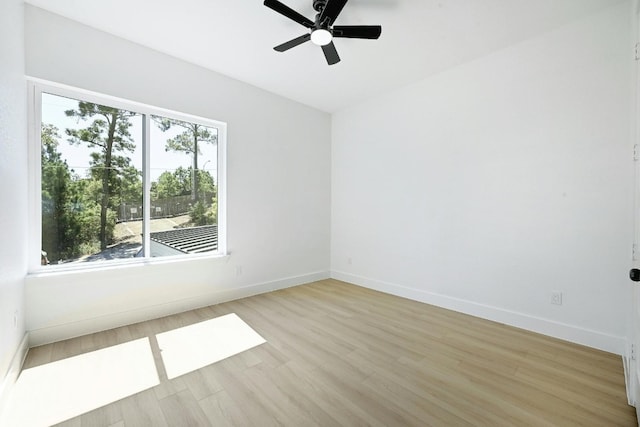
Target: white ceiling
[(236, 38)]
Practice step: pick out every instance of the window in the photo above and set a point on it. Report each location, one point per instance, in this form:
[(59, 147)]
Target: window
[(119, 181)]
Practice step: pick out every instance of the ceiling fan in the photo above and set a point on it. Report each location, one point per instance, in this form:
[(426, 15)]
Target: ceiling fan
[(322, 29)]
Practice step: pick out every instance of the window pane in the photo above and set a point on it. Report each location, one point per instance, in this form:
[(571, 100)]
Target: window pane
[(184, 179), (91, 181)]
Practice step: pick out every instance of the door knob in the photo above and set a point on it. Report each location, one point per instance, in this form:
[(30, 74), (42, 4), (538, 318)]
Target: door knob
[(634, 275)]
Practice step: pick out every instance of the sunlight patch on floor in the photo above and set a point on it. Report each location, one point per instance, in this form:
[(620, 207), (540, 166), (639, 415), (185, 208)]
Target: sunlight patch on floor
[(191, 347), (57, 391)]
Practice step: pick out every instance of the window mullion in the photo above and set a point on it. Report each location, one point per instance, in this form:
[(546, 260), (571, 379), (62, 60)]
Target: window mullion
[(222, 189), (146, 186)]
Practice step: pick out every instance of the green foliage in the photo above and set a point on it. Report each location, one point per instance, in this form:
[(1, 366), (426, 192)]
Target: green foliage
[(184, 180), (206, 184), (70, 206), (129, 184), (89, 232), (173, 184), (179, 183), (166, 186), (58, 224), (108, 132), (188, 142), (200, 214), (212, 212)]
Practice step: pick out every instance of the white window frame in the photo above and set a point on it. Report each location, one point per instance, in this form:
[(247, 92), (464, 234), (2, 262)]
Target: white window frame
[(35, 89)]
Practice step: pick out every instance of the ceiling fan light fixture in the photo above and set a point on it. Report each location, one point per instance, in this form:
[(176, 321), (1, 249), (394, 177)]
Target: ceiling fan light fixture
[(321, 37)]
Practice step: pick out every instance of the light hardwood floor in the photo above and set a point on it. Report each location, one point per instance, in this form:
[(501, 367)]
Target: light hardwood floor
[(339, 354)]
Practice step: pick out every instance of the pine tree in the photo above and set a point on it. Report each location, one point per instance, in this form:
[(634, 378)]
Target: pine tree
[(109, 133)]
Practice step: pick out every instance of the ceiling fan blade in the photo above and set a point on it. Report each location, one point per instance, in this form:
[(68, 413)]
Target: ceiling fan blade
[(357, 31), (293, 43), (332, 10), (289, 13), (331, 53)]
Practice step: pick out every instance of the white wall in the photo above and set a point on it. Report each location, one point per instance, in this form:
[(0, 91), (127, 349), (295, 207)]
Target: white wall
[(13, 191), (488, 186), (278, 184)]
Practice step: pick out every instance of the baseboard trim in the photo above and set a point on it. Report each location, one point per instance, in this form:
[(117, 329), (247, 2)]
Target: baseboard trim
[(627, 365), (571, 333), (14, 371), (61, 332)]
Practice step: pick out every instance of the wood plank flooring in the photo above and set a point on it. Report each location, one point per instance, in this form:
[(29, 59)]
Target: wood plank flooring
[(342, 355)]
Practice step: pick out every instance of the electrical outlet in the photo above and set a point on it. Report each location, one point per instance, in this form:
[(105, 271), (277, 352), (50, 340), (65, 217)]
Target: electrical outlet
[(238, 270), (556, 297), (349, 261)]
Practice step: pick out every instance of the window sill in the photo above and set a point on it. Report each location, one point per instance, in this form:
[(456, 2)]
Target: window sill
[(96, 267)]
